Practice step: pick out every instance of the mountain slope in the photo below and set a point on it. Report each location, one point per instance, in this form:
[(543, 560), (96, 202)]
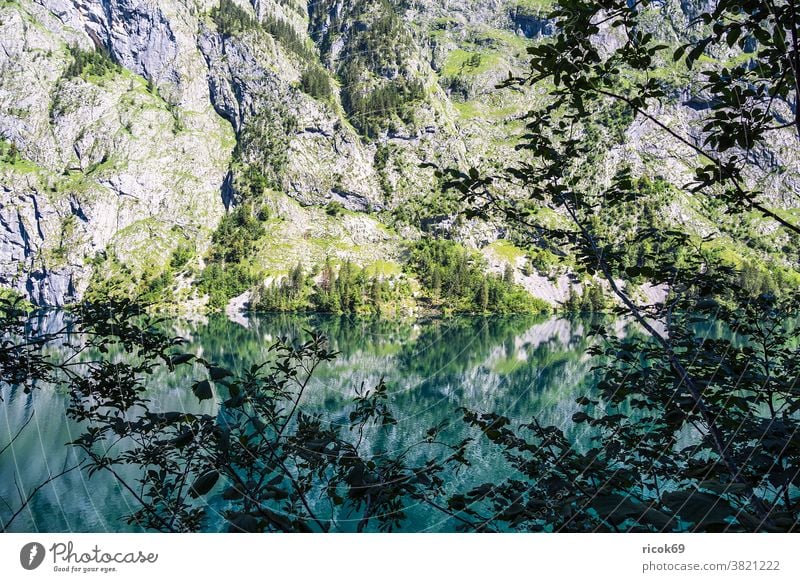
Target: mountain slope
[(143, 141)]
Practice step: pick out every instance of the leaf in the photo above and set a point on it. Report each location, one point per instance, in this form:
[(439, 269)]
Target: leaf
[(275, 493), (179, 359), (457, 502), (723, 488), (580, 417), (733, 35), (281, 521), (203, 484), (647, 272), (615, 508), (674, 417), (697, 51), (183, 439), (763, 36), (658, 519), (633, 271), (218, 373), (356, 475), (481, 490), (232, 493), (203, 390), (243, 522), (512, 512), (703, 509)]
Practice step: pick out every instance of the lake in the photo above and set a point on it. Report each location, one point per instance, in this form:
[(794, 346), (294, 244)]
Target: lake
[(517, 366)]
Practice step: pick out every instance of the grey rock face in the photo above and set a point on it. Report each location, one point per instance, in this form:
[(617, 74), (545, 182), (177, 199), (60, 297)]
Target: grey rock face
[(107, 162), (121, 164), (26, 224), (531, 25), (153, 39), (324, 159), (129, 164)]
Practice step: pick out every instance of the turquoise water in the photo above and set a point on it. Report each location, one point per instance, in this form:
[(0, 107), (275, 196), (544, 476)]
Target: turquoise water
[(517, 366)]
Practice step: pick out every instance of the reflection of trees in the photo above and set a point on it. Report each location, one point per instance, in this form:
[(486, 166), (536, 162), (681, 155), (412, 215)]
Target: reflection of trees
[(519, 366), (347, 334), (453, 345)]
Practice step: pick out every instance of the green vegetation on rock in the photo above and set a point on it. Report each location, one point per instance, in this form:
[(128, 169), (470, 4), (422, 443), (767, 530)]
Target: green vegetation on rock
[(455, 280), (332, 288), (228, 273), (232, 20), (96, 62), (316, 82)]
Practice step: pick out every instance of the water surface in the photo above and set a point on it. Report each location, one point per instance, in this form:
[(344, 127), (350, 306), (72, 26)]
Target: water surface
[(520, 367)]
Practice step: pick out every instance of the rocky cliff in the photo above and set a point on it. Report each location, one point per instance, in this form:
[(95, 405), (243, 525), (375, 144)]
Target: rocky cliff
[(131, 128)]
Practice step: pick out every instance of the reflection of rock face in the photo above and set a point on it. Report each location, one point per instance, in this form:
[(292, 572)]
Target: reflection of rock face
[(73, 503), (431, 368)]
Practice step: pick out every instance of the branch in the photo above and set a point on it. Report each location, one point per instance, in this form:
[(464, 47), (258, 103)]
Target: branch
[(11, 442), (31, 495)]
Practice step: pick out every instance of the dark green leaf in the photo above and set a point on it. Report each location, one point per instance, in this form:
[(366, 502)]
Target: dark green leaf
[(203, 390)]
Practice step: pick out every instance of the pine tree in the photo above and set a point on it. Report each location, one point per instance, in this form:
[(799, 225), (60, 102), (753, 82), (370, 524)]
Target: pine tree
[(328, 275), (296, 278), (483, 299), (572, 304), (436, 283), (508, 274), (376, 293), (12, 155)]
